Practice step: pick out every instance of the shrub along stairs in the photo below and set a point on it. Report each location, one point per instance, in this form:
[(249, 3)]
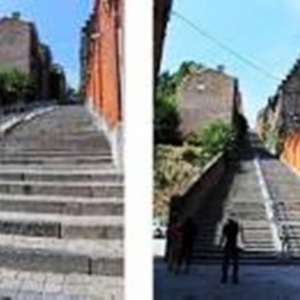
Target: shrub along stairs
[(61, 207)]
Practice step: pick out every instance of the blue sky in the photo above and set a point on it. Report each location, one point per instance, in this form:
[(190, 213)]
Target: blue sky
[(58, 23), (265, 31)]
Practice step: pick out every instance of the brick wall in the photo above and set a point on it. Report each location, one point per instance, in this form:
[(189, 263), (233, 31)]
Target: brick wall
[(15, 44), (103, 80), (102, 68), (193, 197), (205, 96)]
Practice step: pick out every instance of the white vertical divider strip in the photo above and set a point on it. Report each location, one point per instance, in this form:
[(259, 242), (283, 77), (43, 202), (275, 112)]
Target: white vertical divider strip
[(138, 149)]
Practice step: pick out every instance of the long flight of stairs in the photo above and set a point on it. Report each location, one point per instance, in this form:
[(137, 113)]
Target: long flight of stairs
[(61, 197), (239, 193)]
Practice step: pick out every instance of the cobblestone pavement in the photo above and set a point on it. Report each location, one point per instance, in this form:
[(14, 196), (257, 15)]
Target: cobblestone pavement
[(203, 283), (16, 285)]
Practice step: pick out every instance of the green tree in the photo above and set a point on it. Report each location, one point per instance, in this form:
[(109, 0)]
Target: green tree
[(217, 137), (167, 121), (15, 85), (166, 115)]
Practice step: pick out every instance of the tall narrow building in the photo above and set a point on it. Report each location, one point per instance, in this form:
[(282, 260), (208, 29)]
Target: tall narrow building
[(21, 49), (102, 69), (205, 96)]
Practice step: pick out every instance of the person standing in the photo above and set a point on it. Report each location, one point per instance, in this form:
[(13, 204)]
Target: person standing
[(229, 243), (188, 237)]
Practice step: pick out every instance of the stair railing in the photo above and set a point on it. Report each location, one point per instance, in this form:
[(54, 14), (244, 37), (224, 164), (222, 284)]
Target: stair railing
[(287, 229)]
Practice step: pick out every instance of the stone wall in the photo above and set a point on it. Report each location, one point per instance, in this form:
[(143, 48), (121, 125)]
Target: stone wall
[(205, 96), (190, 200), (15, 44)]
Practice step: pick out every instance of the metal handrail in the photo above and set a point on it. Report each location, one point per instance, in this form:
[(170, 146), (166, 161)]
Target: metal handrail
[(287, 232)]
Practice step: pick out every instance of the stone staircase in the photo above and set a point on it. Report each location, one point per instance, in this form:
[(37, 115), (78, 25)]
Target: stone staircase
[(239, 193), (61, 197)]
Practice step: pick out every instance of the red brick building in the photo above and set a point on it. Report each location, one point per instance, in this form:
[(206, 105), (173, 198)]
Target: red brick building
[(102, 68)]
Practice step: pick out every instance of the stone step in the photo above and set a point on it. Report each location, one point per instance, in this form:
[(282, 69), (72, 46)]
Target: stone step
[(61, 226), (102, 257), (251, 254), (59, 130), (22, 284), (67, 188), (61, 176), (39, 144), (61, 168), (44, 140), (62, 133), (208, 248), (249, 238), (59, 151), (56, 160), (61, 205), (258, 260), (43, 171), (248, 225), (42, 153)]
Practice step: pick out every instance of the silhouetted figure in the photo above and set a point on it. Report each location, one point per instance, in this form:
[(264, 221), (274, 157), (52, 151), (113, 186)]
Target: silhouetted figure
[(231, 251), (188, 237), (174, 235)]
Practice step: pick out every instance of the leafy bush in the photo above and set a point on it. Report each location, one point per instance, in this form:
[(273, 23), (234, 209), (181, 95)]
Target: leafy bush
[(193, 138), (167, 121), (217, 137), (166, 116), (192, 155), (15, 85), (174, 167)]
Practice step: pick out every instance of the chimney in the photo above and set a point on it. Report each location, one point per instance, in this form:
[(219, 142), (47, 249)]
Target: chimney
[(16, 15), (221, 68)]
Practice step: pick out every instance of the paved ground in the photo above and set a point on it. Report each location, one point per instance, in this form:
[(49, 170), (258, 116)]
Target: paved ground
[(256, 282)]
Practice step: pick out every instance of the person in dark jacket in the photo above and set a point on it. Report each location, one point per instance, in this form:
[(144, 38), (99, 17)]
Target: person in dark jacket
[(174, 234), (230, 249), (188, 237)]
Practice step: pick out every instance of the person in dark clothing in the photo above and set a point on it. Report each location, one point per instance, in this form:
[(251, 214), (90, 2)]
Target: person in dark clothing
[(230, 249), (175, 240), (188, 237)]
